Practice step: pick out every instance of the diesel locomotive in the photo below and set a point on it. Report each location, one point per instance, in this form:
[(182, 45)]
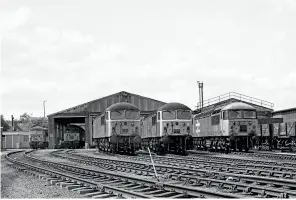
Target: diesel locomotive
[(168, 129), (118, 129), (231, 126), (38, 138)]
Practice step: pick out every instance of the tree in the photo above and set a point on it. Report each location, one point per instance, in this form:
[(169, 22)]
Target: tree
[(4, 124), (26, 120)]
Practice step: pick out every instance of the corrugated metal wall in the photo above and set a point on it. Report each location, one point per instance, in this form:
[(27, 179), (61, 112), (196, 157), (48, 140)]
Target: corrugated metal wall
[(288, 127), (289, 116), (17, 141)]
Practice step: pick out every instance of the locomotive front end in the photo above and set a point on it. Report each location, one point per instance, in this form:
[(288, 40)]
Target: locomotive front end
[(124, 125), (175, 127), (240, 122)]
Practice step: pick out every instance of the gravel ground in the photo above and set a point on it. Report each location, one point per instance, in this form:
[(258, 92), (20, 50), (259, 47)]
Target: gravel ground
[(15, 184)]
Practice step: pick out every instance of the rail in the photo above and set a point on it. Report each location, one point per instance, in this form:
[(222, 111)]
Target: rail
[(234, 95)]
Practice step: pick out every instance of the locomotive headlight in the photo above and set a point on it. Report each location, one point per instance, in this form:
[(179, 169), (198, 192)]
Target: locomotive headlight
[(125, 123), (132, 123), (177, 123)]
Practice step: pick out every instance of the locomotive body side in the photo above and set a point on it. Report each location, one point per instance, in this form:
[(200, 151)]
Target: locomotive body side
[(99, 127), (150, 132), (234, 125)]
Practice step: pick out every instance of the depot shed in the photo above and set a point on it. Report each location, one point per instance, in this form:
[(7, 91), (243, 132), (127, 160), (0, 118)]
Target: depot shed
[(81, 116), (16, 140)]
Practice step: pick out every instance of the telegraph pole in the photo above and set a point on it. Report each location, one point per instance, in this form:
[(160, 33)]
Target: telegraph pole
[(12, 123), (44, 108)]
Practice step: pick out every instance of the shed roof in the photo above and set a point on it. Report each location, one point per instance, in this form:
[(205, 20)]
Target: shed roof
[(284, 110), (84, 107)]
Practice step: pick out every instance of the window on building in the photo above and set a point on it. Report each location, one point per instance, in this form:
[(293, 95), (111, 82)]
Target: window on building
[(26, 138)]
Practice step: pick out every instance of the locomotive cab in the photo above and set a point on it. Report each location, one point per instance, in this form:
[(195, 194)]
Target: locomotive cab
[(168, 130), (239, 122), (118, 129)]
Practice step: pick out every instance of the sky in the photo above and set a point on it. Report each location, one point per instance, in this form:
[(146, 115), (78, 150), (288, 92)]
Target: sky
[(69, 52)]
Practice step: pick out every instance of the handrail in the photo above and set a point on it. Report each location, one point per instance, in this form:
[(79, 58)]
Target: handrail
[(235, 95)]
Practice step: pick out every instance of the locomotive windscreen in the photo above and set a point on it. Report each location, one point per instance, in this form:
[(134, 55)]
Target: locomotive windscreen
[(71, 136), (182, 114)]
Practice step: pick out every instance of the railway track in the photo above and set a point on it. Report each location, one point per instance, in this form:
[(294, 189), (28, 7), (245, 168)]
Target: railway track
[(275, 169), (286, 157), (224, 159), (103, 184), (232, 181)]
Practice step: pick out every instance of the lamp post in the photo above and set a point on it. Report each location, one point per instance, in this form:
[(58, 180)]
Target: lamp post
[(44, 108), (200, 86)]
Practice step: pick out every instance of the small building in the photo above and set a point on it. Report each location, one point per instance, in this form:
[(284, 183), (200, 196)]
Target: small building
[(16, 140)]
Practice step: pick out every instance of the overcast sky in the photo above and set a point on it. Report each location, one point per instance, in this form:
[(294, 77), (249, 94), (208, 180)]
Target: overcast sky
[(70, 52)]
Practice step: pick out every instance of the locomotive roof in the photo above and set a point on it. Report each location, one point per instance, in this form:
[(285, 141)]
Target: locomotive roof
[(238, 106), (217, 109), (173, 106), (122, 106)]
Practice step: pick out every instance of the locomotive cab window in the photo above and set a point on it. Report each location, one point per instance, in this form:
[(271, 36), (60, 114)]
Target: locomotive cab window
[(153, 120), (215, 119), (235, 114), (224, 115), (106, 115), (168, 115), (117, 114), (249, 114), (132, 114), (183, 114), (103, 120)]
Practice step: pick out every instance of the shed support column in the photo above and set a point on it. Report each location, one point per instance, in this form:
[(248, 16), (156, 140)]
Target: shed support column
[(87, 131), (51, 133)]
